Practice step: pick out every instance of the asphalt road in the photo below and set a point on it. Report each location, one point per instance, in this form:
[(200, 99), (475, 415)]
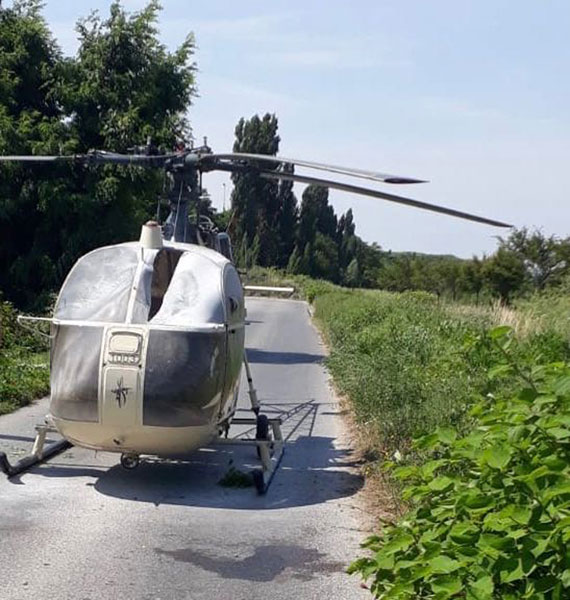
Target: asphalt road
[(80, 527)]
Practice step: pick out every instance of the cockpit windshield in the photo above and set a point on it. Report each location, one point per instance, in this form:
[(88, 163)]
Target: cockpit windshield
[(99, 286), (121, 284)]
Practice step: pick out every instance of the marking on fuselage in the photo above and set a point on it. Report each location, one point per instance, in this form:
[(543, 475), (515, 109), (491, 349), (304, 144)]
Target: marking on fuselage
[(121, 393)]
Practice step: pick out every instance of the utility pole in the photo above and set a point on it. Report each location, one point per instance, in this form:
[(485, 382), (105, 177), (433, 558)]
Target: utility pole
[(223, 186)]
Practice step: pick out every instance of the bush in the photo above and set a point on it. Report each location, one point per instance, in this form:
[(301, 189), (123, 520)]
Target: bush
[(490, 512), (24, 372)]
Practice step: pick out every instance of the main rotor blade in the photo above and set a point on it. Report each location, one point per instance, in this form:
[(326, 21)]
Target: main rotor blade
[(361, 173), (98, 157), (354, 189), (36, 159)]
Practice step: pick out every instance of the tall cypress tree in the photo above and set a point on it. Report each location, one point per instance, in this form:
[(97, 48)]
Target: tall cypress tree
[(317, 235), (287, 219), (255, 201)]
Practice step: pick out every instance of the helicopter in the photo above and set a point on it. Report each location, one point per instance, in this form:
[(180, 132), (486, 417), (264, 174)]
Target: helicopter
[(148, 336)]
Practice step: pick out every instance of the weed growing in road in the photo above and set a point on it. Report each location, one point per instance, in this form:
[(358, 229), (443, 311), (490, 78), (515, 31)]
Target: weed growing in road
[(234, 478)]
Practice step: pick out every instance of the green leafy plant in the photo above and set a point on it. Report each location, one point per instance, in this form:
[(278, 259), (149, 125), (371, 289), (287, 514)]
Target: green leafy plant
[(234, 478), (24, 372), (490, 511)]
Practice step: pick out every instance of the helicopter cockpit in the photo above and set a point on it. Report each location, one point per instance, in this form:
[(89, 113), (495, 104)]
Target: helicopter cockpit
[(151, 325)]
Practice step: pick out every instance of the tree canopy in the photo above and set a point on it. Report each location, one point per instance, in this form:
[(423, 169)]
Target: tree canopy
[(121, 88)]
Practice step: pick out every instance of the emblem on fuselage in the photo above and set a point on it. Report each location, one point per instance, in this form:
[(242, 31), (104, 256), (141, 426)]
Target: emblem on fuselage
[(121, 393)]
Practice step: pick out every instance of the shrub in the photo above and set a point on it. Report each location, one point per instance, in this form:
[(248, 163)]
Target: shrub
[(490, 512), (24, 373)]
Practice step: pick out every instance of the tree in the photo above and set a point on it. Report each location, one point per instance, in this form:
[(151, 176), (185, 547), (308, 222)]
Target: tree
[(473, 277), (397, 273), (287, 217), (505, 273), (370, 257), (255, 201), (122, 87), (317, 235), (352, 277), (325, 258), (30, 121), (545, 258)]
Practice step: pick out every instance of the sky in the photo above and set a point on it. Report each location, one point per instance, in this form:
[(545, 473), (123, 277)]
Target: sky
[(471, 95)]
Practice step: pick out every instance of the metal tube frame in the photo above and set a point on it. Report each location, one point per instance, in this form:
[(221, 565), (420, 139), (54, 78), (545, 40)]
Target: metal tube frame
[(39, 453), (270, 451)]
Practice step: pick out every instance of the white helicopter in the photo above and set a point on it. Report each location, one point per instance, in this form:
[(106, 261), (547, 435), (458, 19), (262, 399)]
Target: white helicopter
[(147, 337)]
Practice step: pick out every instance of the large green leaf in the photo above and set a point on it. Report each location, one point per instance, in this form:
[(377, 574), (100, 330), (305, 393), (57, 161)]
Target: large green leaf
[(498, 457), (401, 542), (562, 386), (446, 435), (481, 589), (521, 514), (464, 533), (444, 564), (510, 569), (448, 585), (441, 483)]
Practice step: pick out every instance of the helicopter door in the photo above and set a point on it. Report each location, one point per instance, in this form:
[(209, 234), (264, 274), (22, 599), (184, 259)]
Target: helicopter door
[(121, 390)]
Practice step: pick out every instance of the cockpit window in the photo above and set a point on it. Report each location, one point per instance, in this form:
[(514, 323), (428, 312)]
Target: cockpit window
[(120, 284), (163, 270), (99, 286)]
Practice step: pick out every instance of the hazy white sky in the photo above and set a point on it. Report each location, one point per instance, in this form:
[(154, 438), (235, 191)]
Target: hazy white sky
[(472, 95)]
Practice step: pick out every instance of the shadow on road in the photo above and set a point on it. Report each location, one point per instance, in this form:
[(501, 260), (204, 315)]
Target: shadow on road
[(254, 355), (299, 562), (312, 472)]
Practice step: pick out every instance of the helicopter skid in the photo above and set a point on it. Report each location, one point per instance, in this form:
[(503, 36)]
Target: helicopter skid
[(168, 441), (39, 452)]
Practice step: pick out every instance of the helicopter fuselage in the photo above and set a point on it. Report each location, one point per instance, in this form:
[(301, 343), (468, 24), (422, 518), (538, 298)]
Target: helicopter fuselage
[(147, 348)]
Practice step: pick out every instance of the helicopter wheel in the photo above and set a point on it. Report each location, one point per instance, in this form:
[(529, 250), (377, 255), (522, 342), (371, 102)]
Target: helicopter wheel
[(262, 431), (130, 461)]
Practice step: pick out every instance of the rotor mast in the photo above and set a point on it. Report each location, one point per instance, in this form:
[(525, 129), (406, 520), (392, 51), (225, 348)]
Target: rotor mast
[(184, 188)]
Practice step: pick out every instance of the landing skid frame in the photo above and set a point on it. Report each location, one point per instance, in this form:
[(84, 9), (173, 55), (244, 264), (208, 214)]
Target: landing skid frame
[(270, 451), (40, 452)]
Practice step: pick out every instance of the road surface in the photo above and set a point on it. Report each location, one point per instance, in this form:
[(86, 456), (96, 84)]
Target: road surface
[(80, 527)]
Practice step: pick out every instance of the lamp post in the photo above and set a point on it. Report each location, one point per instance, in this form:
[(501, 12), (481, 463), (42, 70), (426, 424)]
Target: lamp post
[(224, 202)]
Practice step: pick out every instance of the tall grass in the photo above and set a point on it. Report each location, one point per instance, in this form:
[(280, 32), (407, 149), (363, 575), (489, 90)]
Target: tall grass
[(409, 363)]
